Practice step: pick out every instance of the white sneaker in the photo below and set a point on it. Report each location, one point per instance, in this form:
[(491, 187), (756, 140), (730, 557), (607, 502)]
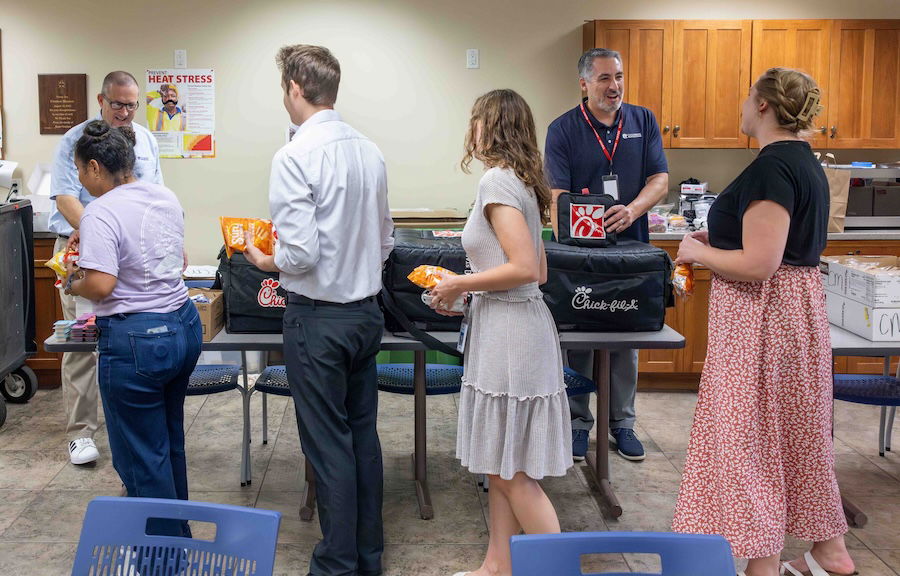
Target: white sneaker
[(82, 451)]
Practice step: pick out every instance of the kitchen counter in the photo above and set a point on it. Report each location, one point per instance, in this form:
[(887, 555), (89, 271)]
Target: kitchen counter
[(887, 234)]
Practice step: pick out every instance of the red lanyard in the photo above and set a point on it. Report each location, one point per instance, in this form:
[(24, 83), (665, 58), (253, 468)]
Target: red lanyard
[(600, 140)]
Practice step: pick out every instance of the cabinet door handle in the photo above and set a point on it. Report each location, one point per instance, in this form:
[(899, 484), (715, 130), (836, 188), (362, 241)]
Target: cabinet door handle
[(665, 129), (676, 131), (822, 130), (833, 132)]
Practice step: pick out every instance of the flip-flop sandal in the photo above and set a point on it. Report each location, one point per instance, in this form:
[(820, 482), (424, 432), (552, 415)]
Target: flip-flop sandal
[(814, 568)]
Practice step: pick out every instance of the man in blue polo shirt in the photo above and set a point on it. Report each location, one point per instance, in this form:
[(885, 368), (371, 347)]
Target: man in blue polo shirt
[(604, 136)]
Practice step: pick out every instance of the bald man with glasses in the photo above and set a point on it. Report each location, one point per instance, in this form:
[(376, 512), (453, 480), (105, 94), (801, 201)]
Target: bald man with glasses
[(119, 98)]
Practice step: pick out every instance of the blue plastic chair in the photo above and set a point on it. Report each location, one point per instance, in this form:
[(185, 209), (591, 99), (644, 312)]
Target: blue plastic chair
[(881, 391), (114, 539), (680, 554)]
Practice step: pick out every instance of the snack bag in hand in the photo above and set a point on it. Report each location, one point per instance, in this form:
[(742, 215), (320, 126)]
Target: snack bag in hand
[(58, 263), (233, 233), (426, 276), (683, 279)]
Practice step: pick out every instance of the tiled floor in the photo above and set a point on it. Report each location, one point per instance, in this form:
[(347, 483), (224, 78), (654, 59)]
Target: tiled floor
[(42, 496)]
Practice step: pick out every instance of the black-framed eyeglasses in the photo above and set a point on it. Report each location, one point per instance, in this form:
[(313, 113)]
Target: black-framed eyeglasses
[(116, 105)]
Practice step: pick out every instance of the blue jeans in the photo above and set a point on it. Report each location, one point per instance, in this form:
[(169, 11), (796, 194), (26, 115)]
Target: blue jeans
[(146, 360)]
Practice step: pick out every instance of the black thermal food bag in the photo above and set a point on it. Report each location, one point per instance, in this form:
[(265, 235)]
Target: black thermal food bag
[(400, 297), (621, 288), (254, 300)]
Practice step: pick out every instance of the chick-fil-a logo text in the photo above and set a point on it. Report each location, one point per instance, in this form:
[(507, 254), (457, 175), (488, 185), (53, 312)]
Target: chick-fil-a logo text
[(582, 301)]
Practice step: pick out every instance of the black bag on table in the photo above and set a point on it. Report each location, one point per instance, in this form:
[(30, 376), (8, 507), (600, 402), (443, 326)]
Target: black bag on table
[(621, 288), (254, 300), (401, 300), (582, 217)]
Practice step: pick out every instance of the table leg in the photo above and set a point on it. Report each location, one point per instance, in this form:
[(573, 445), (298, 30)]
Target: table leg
[(308, 502), (855, 517), (420, 460), (245, 452), (598, 462)]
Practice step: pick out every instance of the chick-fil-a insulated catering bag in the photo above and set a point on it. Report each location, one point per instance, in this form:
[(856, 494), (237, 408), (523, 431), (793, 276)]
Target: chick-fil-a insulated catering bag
[(400, 297), (582, 219), (254, 300), (621, 288)]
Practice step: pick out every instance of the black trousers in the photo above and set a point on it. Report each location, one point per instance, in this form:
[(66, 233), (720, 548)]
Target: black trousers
[(330, 353)]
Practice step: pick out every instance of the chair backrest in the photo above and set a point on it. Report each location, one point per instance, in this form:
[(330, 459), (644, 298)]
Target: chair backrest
[(114, 539), (680, 554)]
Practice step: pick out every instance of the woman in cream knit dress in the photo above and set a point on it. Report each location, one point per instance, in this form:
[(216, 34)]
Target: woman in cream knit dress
[(513, 414)]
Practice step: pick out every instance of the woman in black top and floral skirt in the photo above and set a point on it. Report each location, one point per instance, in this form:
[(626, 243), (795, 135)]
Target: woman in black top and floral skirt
[(761, 459)]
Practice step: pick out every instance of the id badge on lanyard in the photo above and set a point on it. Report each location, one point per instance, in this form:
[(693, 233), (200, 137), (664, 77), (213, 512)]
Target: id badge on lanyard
[(610, 181), (464, 328)]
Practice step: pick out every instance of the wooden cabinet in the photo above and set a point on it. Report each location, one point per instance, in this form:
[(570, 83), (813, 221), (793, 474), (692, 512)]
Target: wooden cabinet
[(710, 82), (690, 316), (694, 75), (801, 44), (48, 310), (646, 49), (864, 95)]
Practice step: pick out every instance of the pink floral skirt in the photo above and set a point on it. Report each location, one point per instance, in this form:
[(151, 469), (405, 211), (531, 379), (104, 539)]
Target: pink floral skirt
[(761, 458)]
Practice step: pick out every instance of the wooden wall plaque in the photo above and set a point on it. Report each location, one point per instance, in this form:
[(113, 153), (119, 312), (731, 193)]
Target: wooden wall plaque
[(63, 101)]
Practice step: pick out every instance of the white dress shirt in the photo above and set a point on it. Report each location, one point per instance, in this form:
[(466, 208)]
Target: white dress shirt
[(328, 198)]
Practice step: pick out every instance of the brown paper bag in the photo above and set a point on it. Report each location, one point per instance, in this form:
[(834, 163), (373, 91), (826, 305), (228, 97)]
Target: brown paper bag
[(838, 192)]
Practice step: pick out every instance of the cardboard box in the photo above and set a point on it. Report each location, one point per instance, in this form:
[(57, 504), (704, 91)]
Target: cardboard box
[(212, 313), (876, 324), (847, 276), (859, 201)]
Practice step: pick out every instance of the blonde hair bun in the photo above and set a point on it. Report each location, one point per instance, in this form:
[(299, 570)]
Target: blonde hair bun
[(794, 97)]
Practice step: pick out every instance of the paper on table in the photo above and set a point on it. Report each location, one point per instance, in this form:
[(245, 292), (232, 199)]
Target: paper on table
[(200, 272)]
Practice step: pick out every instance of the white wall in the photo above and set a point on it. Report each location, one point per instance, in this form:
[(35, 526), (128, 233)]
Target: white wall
[(404, 79)]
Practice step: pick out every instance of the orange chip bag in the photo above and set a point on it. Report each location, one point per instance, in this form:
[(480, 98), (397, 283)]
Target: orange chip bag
[(233, 232), (683, 279), (425, 276)]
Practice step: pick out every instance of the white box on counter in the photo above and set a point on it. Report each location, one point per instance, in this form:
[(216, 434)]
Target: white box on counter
[(848, 277), (876, 324), (700, 188)]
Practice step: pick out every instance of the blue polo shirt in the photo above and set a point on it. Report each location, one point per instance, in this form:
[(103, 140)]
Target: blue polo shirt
[(574, 159)]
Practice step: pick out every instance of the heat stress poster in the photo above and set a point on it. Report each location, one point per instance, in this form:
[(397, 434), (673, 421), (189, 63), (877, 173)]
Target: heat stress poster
[(181, 111)]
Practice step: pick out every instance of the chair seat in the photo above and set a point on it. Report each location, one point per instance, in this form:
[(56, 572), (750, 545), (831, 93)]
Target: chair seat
[(576, 384), (212, 379), (444, 379), (439, 378), (865, 389), (273, 380)]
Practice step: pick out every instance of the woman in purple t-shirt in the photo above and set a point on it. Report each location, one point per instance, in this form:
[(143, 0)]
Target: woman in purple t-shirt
[(131, 244)]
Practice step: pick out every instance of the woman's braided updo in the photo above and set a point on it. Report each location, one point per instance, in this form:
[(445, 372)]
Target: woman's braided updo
[(794, 98)]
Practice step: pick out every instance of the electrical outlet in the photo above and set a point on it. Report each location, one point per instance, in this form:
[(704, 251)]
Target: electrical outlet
[(181, 58), (15, 188), (472, 58)]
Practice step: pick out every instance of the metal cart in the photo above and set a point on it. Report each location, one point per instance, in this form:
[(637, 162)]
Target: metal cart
[(19, 382)]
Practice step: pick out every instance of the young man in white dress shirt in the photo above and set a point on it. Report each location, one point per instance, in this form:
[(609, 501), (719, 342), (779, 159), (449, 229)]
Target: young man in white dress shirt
[(328, 199)]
